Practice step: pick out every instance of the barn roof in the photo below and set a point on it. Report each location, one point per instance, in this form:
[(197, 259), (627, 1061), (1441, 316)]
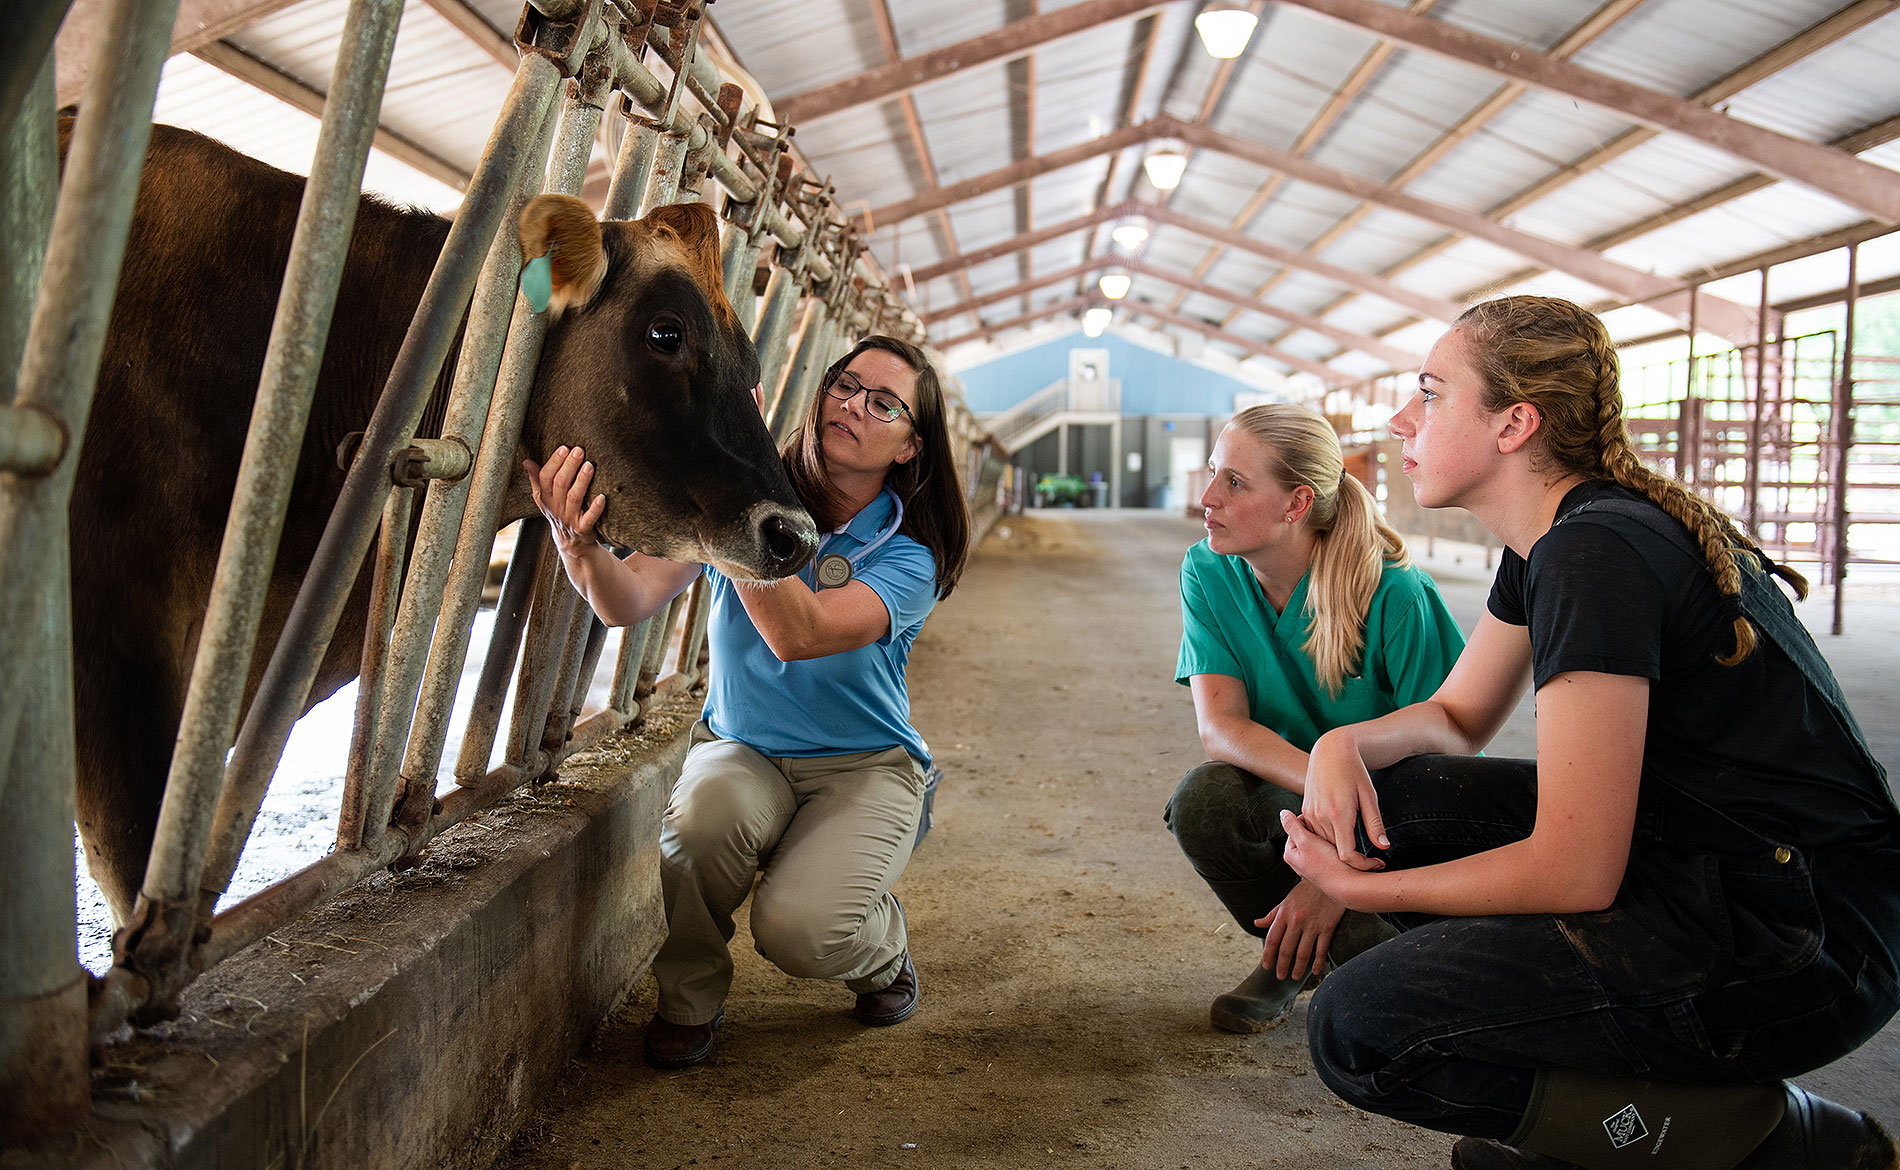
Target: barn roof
[(1362, 167)]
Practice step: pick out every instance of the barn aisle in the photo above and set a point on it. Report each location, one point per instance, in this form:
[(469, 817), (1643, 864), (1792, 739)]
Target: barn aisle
[(1067, 952)]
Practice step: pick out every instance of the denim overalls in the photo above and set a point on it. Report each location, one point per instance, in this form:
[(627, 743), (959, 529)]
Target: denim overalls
[(1727, 956)]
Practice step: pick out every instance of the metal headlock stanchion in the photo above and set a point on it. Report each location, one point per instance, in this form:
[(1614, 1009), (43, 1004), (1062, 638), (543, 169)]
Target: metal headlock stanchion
[(77, 253), (420, 618)]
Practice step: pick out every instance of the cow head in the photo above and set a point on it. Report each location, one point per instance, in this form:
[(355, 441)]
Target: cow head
[(647, 367)]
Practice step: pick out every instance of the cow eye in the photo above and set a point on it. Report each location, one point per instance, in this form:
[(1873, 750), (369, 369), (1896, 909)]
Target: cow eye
[(665, 335)]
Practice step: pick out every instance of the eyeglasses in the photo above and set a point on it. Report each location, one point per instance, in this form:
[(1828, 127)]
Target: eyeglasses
[(881, 405)]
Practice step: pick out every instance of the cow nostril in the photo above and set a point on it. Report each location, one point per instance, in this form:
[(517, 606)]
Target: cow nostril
[(787, 543)]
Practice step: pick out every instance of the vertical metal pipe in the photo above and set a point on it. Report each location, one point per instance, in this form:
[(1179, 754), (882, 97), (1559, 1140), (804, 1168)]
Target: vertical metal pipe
[(775, 323), (385, 589), (291, 363), (548, 623), (633, 647), (43, 1026), (504, 641), (807, 368), (632, 171), (655, 653), (494, 468), (1752, 489), (590, 666), (470, 399), (1844, 438), (663, 184), (693, 649), (557, 720), (306, 635), (66, 336)]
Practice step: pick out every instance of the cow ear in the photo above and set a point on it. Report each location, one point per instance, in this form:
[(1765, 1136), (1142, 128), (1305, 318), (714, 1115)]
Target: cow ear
[(564, 229), (695, 228)]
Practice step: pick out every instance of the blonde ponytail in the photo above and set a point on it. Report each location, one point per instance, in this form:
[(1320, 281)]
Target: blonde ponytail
[(1353, 543)]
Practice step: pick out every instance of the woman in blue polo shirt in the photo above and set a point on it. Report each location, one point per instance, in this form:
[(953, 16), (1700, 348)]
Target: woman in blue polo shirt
[(1300, 613), (804, 771)]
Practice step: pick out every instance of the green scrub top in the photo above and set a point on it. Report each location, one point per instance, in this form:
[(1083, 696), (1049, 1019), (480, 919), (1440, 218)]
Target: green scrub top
[(1228, 628)]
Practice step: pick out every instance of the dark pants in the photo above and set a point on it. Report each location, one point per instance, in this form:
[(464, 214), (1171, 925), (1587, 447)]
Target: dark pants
[(1709, 967), (1227, 821)]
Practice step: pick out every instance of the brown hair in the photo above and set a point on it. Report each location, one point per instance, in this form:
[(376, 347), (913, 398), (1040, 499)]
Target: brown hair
[(1354, 543), (935, 514), (1558, 357)]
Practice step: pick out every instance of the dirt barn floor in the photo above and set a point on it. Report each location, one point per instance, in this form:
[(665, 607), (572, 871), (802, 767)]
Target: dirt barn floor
[(1066, 950)]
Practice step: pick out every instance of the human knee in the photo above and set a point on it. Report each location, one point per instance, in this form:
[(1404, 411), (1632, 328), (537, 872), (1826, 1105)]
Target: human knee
[(1222, 815), (1341, 1033), (800, 939), (1204, 808)]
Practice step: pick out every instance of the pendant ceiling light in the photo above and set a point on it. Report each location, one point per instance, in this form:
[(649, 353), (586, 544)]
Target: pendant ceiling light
[(1130, 235), (1165, 168), (1095, 320), (1115, 285), (1225, 29)]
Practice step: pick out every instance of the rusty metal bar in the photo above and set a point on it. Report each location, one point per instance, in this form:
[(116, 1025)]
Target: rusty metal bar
[(470, 402), (693, 633), (504, 642), (43, 1039), (590, 666), (548, 621), (288, 382), (59, 364), (1844, 438), (358, 808), (655, 653), (633, 646), (306, 635), (558, 720), (1752, 489)]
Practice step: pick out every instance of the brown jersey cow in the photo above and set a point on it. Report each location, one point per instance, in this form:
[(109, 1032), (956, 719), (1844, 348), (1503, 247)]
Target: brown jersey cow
[(646, 367)]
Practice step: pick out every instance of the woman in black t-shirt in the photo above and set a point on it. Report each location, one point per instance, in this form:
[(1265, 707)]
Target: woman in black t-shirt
[(1614, 954)]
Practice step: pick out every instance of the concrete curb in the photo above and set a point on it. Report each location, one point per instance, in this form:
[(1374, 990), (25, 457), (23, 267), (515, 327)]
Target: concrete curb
[(418, 1019)]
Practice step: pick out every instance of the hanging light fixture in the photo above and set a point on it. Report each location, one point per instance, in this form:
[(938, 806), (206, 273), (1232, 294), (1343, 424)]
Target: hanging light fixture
[(1165, 167), (1096, 319), (1225, 29), (1115, 285), (1132, 234)]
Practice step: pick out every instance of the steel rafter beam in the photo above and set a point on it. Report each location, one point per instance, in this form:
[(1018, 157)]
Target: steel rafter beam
[(1212, 331), (1864, 185), (1718, 316), (1595, 25), (1432, 307), (1053, 309), (199, 23), (1011, 40), (1435, 308), (1016, 173), (1015, 244), (1399, 359)]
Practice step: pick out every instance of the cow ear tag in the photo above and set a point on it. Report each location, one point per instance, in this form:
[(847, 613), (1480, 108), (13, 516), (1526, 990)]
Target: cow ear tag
[(537, 281)]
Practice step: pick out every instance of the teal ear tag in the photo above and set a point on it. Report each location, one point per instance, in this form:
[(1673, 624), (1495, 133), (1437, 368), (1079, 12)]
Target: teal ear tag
[(537, 282)]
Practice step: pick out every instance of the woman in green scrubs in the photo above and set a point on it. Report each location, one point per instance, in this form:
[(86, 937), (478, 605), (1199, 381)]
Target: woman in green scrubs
[(1300, 612)]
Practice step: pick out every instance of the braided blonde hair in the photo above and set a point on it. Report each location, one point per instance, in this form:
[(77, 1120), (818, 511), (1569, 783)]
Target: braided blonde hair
[(1558, 357), (1353, 542)]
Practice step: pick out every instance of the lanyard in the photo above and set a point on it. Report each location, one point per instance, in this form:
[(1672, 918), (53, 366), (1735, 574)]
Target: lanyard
[(836, 569)]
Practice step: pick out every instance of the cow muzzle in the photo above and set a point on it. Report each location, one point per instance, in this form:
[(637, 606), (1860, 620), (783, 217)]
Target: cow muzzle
[(772, 541)]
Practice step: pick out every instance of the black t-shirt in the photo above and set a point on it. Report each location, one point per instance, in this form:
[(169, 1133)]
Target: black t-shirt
[(1754, 740)]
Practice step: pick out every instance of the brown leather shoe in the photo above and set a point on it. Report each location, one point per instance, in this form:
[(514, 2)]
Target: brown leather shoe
[(895, 1003), (671, 1045)]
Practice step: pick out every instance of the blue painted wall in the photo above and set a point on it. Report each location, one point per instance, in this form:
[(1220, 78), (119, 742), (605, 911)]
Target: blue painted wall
[(1152, 383)]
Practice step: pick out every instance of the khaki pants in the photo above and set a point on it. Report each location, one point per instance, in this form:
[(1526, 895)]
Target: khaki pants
[(826, 837)]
